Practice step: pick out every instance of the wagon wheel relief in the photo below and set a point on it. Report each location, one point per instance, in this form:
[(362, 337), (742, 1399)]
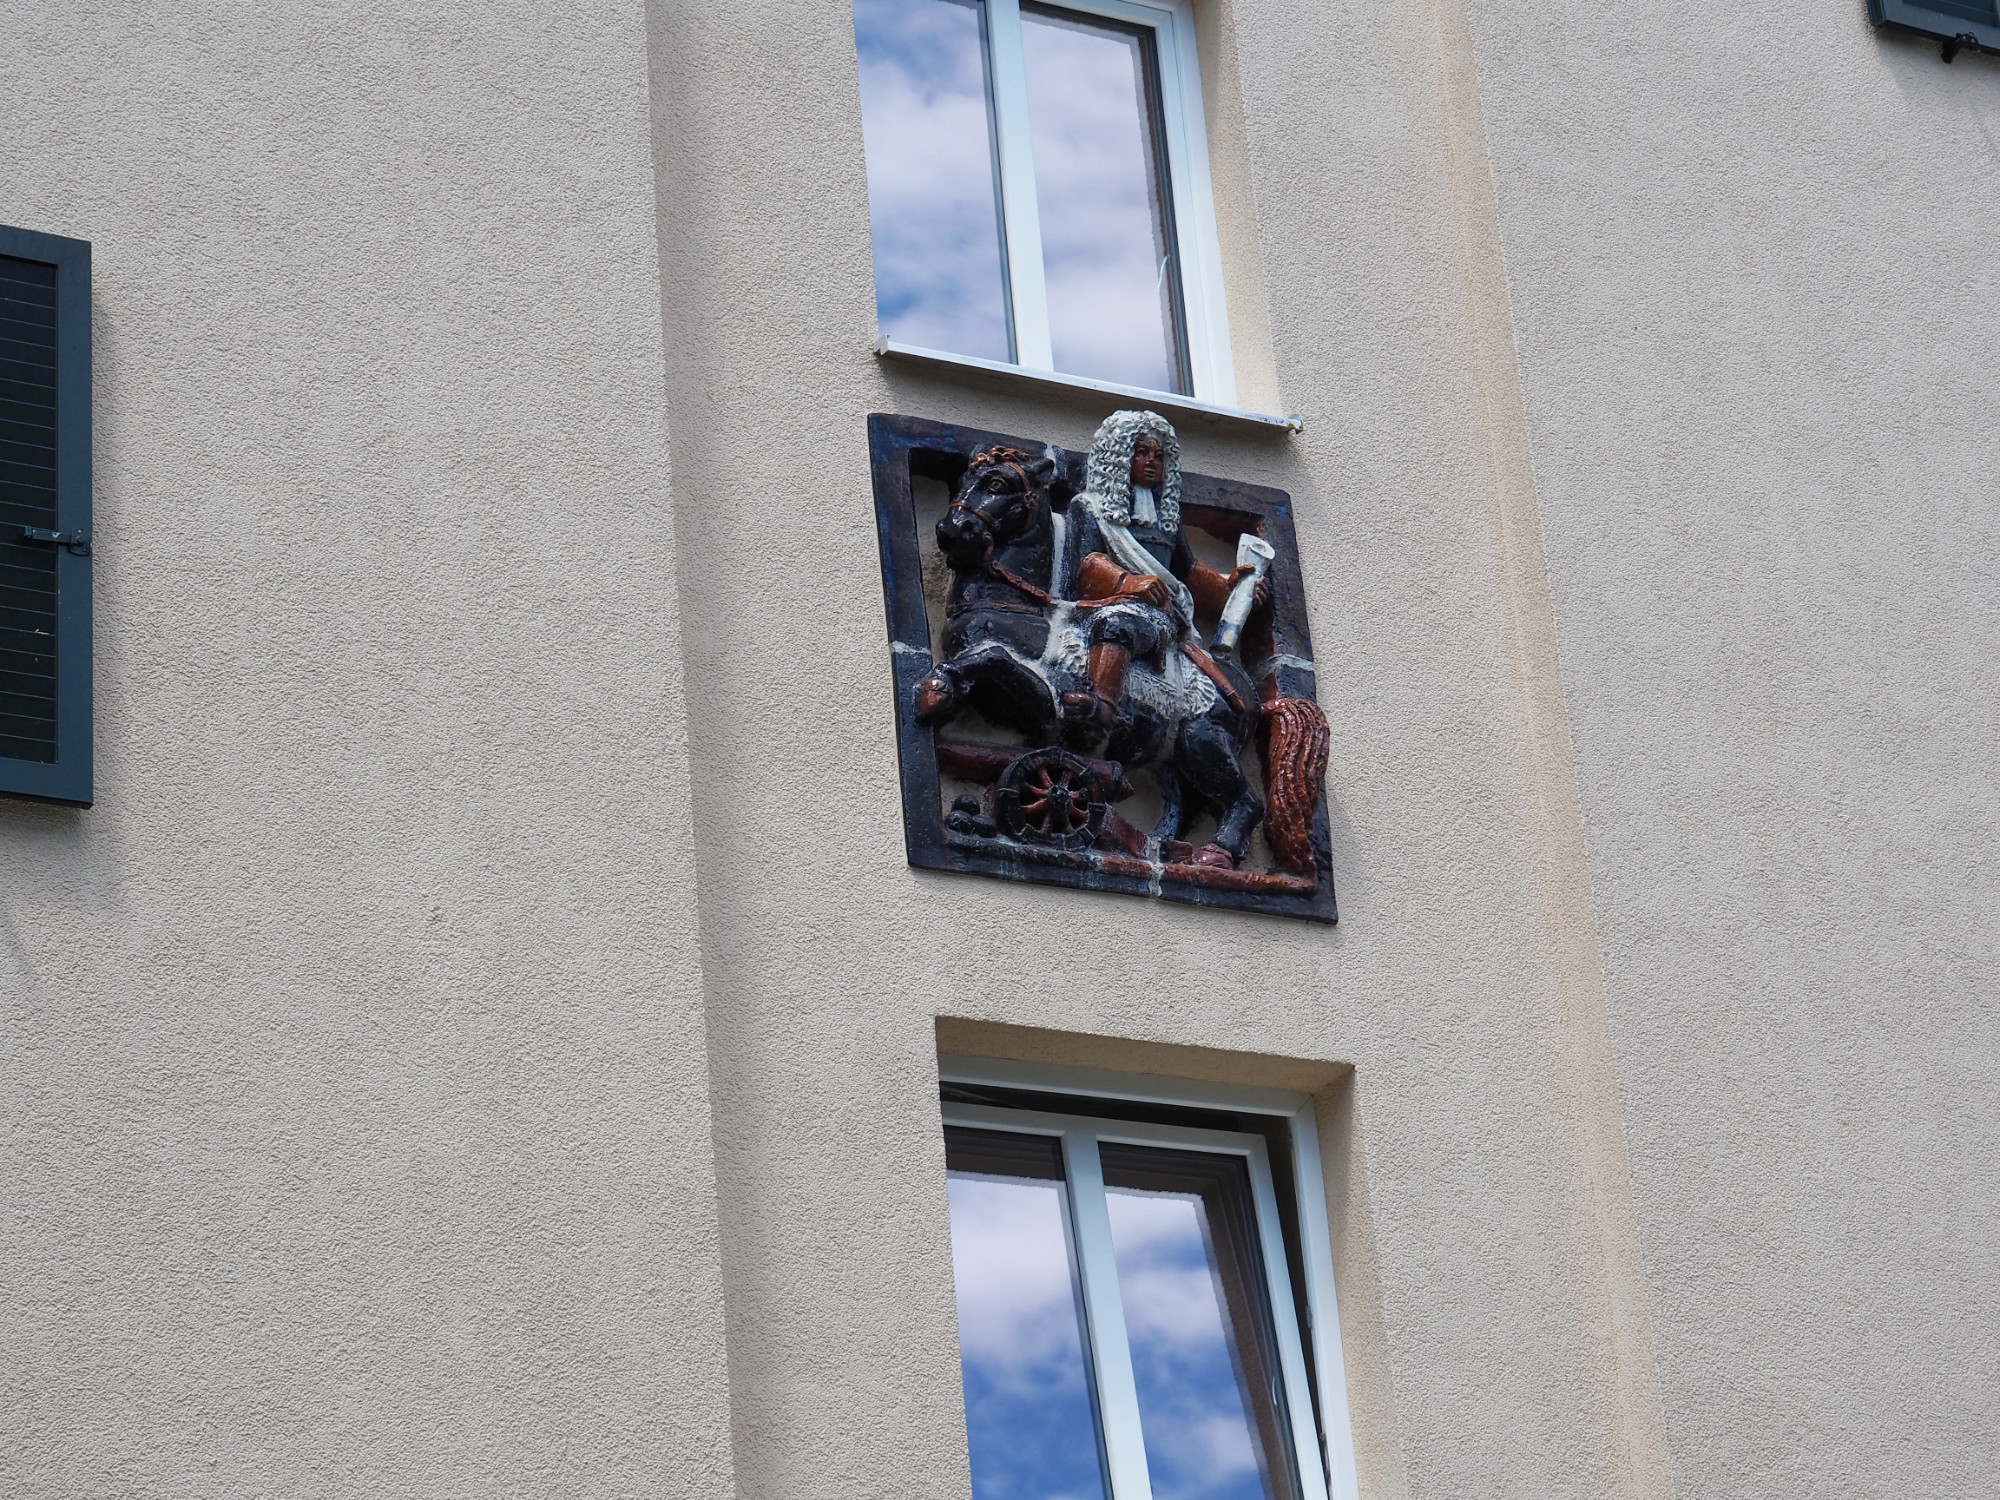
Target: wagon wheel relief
[(1051, 797)]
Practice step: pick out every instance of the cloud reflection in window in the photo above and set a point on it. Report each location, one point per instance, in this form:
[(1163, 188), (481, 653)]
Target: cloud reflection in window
[(1192, 1407), (1105, 252), (1028, 1416), (931, 190)]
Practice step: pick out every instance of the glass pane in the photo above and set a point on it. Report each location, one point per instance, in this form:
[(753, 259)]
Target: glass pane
[(1029, 1417), (1106, 240), (932, 198), (1183, 1230)]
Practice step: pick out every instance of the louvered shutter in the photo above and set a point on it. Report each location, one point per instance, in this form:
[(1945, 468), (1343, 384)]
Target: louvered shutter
[(1976, 22), (45, 728)]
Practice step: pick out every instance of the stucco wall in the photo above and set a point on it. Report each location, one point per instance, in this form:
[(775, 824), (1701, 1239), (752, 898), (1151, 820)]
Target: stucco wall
[(827, 958), (365, 1045), (353, 1073), (1751, 253)]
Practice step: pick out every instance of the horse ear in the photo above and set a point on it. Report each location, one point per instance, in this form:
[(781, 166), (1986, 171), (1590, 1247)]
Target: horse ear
[(1043, 470)]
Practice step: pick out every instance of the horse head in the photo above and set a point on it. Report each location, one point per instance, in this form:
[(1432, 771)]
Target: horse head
[(1002, 498)]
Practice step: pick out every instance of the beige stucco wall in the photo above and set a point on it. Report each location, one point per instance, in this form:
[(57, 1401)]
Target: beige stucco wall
[(356, 1133), (1751, 254), (1484, 1369), (492, 816)]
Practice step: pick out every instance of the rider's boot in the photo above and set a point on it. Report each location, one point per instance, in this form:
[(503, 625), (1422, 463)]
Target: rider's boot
[(937, 694), (1096, 712)]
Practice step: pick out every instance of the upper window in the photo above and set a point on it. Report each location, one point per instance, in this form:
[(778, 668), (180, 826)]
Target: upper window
[(1138, 1288), (1038, 185)]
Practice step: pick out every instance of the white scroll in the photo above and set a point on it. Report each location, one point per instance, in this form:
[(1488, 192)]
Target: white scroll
[(1251, 552)]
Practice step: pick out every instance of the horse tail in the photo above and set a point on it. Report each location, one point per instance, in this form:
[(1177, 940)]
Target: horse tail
[(1294, 770)]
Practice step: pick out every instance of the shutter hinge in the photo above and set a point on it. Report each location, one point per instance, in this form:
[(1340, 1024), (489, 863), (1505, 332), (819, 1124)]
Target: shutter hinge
[(77, 542)]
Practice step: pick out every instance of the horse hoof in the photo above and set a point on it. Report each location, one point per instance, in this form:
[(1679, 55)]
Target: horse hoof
[(934, 696), (1215, 857)]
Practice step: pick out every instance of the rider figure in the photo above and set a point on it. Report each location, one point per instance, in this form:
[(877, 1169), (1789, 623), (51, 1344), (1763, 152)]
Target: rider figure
[(1139, 581)]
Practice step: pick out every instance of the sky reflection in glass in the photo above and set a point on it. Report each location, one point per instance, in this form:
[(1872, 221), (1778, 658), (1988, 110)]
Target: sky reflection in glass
[(1104, 233), (1200, 1444), (1028, 1413), (931, 192)]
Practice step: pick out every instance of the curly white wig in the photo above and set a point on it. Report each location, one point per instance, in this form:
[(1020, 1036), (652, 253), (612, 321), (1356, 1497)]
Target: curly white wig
[(1108, 480)]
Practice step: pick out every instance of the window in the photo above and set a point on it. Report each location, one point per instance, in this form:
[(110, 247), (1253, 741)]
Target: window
[(1960, 23), (44, 517), (1144, 1297), (1038, 186), (1977, 21)]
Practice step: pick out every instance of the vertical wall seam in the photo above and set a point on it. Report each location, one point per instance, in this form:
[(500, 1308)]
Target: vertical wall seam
[(1586, 1063), (678, 461)]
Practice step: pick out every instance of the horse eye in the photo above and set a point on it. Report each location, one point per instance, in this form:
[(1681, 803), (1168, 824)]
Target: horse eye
[(995, 482)]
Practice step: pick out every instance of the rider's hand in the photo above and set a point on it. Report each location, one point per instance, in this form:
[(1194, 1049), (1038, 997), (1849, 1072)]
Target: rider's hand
[(1154, 591), (1260, 597)]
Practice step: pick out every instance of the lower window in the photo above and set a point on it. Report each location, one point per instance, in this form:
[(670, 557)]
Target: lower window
[(1128, 1304)]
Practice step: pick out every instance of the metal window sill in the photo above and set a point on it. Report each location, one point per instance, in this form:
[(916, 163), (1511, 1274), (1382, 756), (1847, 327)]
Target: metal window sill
[(1162, 401)]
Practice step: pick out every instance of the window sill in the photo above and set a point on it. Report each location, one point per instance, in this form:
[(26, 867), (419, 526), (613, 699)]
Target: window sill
[(937, 359)]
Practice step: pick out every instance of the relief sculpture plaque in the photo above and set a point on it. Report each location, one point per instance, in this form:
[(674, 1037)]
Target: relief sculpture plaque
[(1103, 673)]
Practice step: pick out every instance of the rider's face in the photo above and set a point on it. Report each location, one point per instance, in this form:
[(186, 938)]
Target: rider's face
[(1149, 462)]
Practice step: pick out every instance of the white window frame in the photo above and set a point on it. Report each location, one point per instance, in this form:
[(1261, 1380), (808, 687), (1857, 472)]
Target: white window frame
[(1197, 249), (1322, 1441)]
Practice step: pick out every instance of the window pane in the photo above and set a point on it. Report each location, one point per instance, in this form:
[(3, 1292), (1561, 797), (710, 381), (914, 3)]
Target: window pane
[(932, 199), (1029, 1416), (1183, 1230), (1106, 241)]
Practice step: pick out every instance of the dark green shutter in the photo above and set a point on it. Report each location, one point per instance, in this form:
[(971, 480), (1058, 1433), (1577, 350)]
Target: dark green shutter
[(45, 729)]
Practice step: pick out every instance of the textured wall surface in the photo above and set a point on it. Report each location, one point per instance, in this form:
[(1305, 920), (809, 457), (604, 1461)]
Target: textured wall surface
[(1755, 288), (356, 1129), (385, 1114), (827, 958)]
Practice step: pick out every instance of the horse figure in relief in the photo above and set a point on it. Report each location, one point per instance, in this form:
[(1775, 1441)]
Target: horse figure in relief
[(1077, 630)]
